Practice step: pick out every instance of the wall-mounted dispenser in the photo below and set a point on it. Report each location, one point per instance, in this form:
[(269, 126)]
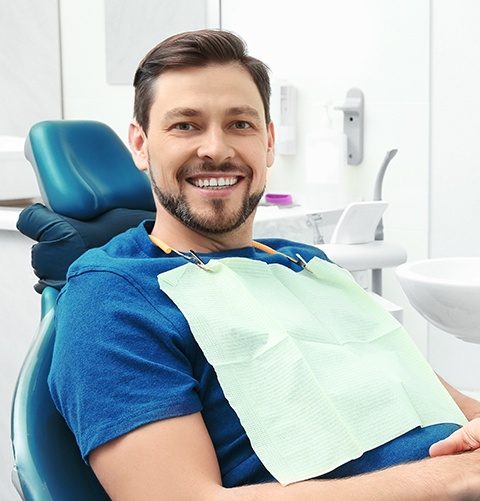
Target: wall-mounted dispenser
[(353, 110), (286, 142)]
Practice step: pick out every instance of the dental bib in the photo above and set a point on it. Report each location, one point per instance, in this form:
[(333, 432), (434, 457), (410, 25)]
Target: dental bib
[(317, 371)]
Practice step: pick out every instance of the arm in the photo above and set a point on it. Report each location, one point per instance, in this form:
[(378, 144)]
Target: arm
[(175, 460), (469, 406)]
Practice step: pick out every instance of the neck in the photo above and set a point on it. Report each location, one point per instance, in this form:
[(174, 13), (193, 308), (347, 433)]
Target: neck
[(175, 234)]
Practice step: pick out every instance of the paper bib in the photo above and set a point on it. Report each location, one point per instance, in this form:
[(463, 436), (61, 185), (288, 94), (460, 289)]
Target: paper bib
[(317, 371)]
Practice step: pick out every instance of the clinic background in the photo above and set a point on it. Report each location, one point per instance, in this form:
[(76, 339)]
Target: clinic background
[(416, 62)]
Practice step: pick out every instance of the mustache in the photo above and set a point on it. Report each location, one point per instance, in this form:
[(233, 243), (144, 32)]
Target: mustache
[(207, 167)]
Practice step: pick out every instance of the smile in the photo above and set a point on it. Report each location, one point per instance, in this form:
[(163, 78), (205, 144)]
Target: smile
[(214, 183)]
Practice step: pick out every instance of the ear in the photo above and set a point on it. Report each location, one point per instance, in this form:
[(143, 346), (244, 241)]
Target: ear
[(138, 145), (271, 145)]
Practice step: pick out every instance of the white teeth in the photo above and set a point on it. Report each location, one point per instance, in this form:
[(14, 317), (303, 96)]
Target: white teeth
[(215, 183)]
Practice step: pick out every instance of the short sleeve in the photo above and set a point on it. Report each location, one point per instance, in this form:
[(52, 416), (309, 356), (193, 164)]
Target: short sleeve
[(119, 360)]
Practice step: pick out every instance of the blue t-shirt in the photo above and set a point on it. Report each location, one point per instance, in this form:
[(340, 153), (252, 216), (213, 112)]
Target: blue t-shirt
[(124, 357)]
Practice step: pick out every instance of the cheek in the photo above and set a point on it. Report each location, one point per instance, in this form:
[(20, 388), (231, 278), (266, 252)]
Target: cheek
[(261, 149), (172, 156), (162, 165)]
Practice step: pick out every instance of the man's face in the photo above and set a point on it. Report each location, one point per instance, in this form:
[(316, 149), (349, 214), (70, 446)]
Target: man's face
[(207, 148)]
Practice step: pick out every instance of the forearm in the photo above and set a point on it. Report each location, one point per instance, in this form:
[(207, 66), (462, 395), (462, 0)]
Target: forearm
[(447, 478), (174, 459), (469, 406)]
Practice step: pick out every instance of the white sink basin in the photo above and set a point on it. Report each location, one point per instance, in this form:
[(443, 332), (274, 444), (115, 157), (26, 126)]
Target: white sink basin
[(446, 291)]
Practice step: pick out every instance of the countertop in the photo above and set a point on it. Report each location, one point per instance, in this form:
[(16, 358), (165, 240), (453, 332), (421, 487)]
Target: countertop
[(10, 210)]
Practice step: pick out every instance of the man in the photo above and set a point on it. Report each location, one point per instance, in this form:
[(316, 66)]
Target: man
[(149, 411)]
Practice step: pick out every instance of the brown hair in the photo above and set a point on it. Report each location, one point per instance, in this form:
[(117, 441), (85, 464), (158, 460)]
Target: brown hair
[(195, 49)]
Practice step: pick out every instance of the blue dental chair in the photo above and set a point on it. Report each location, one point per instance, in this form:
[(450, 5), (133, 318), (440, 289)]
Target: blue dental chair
[(91, 191)]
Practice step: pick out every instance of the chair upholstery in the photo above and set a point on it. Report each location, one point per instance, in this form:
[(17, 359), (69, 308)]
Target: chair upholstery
[(63, 239), (83, 169), (92, 191), (48, 465)]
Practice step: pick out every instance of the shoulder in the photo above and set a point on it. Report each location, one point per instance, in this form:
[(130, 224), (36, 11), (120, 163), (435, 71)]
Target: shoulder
[(130, 256), (129, 245), (117, 280)]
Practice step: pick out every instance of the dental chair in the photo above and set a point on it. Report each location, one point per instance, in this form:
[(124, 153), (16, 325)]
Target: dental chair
[(91, 191)]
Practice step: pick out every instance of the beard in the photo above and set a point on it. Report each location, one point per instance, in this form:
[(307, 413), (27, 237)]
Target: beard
[(218, 219)]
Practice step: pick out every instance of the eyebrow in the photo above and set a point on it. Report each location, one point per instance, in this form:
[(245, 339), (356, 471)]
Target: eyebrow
[(176, 113), (244, 110), (181, 112)]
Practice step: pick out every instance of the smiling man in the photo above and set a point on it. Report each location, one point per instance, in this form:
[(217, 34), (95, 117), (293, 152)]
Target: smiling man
[(207, 149), (192, 363)]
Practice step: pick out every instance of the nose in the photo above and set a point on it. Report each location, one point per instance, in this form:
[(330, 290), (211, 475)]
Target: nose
[(215, 146)]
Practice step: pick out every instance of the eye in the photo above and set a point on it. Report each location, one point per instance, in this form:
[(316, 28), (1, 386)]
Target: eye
[(242, 125), (184, 126)]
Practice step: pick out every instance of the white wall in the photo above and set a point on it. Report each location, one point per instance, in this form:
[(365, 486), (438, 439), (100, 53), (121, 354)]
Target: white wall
[(84, 72), (87, 93), (30, 65)]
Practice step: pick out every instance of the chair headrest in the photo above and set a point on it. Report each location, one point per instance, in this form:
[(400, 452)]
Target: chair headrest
[(62, 239), (84, 169)]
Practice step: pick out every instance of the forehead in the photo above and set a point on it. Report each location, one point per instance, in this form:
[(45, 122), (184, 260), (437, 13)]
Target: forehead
[(225, 85)]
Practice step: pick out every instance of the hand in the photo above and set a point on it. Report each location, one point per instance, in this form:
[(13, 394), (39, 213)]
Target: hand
[(465, 490), (464, 439)]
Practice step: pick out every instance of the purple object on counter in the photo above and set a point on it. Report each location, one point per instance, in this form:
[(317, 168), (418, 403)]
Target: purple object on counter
[(278, 199)]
